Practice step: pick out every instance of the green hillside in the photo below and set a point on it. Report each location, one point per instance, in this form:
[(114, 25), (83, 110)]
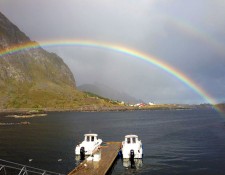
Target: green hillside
[(36, 78)]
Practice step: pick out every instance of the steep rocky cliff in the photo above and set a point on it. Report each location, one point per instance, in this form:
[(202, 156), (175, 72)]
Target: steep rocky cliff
[(30, 66), (33, 78)]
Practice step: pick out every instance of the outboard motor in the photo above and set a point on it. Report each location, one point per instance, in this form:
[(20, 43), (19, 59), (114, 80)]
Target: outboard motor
[(132, 159), (82, 153)]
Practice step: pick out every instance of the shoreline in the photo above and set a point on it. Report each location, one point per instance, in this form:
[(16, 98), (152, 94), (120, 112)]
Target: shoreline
[(31, 111)]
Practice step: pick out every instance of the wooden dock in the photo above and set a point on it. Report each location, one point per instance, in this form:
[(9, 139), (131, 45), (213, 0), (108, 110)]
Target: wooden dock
[(108, 154)]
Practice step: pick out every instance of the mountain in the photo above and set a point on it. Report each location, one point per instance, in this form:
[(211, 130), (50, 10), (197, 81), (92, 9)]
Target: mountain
[(108, 92), (25, 66), (35, 78)]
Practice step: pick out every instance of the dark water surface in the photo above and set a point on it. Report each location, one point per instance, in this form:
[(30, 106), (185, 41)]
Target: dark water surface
[(175, 142)]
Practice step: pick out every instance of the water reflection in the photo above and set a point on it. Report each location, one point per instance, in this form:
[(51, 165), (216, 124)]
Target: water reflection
[(78, 159), (134, 164)]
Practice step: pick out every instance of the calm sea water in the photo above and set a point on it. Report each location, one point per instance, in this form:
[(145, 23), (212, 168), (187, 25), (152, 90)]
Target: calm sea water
[(175, 142)]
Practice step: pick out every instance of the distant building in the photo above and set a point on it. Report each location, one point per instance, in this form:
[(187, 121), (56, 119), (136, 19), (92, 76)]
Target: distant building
[(122, 102), (139, 105), (150, 103)]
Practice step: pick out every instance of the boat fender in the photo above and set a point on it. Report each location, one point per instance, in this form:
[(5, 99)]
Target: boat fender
[(120, 154)]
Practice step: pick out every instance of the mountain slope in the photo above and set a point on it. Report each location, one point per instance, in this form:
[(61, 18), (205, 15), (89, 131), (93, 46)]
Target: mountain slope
[(25, 65), (108, 92), (35, 78)]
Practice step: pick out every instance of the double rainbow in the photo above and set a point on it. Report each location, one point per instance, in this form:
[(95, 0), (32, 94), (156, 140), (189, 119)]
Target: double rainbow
[(120, 49)]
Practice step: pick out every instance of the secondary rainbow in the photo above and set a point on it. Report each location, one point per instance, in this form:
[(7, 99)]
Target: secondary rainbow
[(197, 33), (117, 48)]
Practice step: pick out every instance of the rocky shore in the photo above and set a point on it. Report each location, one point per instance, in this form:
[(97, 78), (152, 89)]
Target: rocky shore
[(26, 115), (10, 124)]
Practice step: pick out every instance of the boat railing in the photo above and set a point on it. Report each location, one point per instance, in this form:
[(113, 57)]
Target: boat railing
[(12, 168)]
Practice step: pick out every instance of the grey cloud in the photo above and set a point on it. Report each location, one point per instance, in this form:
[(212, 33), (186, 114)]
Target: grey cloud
[(177, 32)]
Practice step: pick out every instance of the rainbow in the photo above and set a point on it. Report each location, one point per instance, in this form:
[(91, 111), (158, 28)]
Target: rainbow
[(195, 32), (198, 34), (120, 49)]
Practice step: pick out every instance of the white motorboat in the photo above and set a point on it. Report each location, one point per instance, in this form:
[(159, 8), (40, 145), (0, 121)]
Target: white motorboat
[(90, 144), (132, 147)]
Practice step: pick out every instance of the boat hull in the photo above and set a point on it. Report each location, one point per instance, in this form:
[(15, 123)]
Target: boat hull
[(138, 153), (89, 148)]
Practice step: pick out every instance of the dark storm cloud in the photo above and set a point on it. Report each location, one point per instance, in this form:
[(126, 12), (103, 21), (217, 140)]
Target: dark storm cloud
[(188, 35)]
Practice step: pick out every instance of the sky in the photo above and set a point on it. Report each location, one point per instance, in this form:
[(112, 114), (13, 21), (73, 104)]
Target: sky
[(187, 35)]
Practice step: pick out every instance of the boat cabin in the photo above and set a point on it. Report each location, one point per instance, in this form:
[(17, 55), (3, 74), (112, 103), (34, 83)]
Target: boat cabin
[(131, 139), (91, 137)]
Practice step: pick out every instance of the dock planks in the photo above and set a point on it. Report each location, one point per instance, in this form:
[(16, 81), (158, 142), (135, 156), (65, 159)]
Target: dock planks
[(108, 156)]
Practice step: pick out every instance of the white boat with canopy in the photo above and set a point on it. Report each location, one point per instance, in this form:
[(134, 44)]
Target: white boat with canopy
[(90, 144), (132, 147)]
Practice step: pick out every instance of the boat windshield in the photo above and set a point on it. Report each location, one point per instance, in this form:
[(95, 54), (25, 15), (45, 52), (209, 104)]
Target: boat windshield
[(128, 140), (131, 140), (92, 138), (87, 138)]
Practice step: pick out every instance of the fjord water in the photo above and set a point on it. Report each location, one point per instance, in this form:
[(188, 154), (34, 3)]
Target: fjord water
[(175, 141)]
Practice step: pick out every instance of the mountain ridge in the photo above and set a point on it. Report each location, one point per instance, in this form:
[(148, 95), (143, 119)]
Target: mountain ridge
[(35, 78)]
